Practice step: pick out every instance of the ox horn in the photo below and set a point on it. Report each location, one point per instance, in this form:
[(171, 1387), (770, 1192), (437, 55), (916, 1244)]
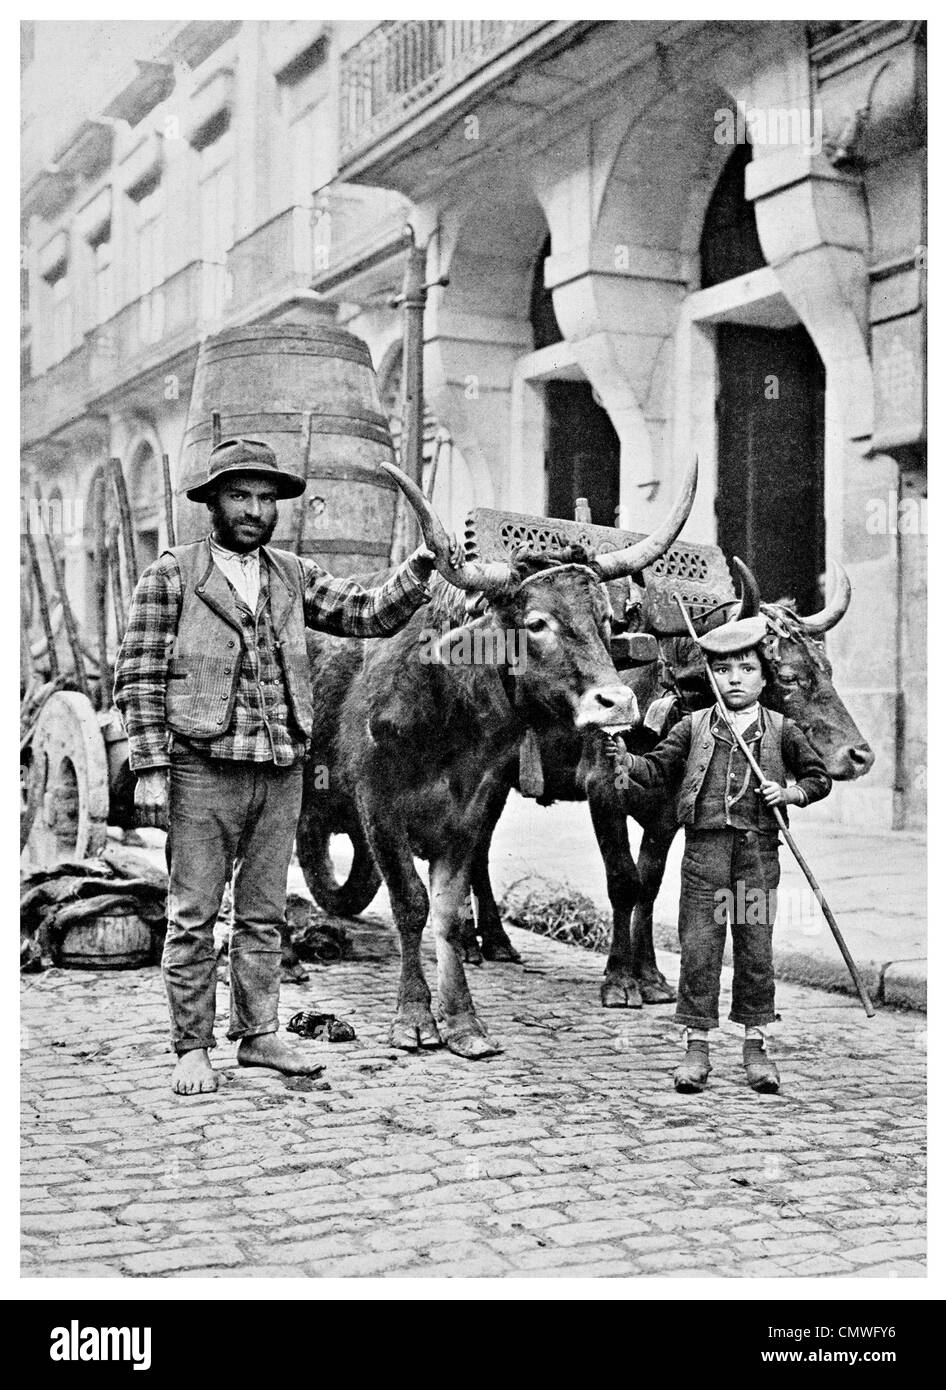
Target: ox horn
[(487, 578), (833, 612), (616, 564), (749, 597)]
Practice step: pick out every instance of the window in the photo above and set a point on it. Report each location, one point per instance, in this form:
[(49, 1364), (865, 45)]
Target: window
[(216, 225), (102, 278), (60, 311), (312, 152), (149, 264)]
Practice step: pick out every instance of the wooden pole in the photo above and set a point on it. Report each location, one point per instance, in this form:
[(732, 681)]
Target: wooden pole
[(72, 631), (168, 499), (43, 601), (101, 593), (124, 513), (114, 570), (782, 825)]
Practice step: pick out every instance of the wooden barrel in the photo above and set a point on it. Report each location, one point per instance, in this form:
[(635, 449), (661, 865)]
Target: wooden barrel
[(310, 393), (113, 942)]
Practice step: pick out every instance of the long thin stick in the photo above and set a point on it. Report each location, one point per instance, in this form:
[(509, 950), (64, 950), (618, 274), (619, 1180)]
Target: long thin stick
[(114, 569), (43, 601), (168, 498), (124, 514), (72, 631), (783, 827), (101, 594)]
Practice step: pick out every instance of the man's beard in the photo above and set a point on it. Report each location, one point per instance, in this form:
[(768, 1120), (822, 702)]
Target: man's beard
[(228, 537)]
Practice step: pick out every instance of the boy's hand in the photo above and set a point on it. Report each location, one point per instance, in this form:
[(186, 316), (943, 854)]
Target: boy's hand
[(775, 795)]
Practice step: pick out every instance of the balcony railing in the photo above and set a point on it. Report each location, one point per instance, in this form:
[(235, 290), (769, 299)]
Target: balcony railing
[(274, 259), (354, 226), (405, 64), (59, 395), (158, 323), (145, 333)]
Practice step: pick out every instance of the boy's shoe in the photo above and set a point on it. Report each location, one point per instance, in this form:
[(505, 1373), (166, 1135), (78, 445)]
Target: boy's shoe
[(692, 1073), (761, 1071)]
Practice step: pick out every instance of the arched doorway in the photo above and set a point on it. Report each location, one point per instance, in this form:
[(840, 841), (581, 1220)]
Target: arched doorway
[(582, 449), (769, 417), (144, 489)]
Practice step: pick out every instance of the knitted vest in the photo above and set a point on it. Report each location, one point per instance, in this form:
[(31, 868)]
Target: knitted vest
[(204, 669)]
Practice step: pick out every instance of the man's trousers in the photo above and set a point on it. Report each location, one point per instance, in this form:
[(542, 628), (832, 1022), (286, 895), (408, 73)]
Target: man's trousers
[(727, 876), (238, 819)]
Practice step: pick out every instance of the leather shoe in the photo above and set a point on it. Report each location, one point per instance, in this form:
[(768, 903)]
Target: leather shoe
[(692, 1073), (761, 1071)]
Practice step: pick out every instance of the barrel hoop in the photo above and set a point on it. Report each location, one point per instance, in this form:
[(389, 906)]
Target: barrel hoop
[(370, 425), (351, 473), (323, 332), (341, 352), (345, 547)]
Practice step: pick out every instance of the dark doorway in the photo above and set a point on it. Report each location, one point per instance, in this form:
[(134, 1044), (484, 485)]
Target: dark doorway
[(770, 423), (769, 415), (582, 451)]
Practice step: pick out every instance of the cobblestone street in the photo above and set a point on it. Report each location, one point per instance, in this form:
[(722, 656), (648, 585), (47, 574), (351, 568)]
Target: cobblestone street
[(570, 1154)]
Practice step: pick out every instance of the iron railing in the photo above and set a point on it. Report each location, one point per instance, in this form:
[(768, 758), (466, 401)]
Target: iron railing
[(406, 63)]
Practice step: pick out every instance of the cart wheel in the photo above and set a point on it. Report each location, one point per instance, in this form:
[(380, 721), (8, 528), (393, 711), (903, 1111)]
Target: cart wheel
[(70, 777)]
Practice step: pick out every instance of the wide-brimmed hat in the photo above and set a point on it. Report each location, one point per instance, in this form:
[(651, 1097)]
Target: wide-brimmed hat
[(737, 636), (245, 456)]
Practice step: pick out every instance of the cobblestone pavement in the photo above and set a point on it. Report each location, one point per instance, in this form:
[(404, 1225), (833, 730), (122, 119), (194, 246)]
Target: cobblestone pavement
[(570, 1154)]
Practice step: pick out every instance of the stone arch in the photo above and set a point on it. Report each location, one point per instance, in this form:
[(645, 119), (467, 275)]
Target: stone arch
[(479, 326), (618, 295)]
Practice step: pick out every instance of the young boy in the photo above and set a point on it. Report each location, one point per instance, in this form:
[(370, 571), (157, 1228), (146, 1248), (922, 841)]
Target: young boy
[(730, 863)]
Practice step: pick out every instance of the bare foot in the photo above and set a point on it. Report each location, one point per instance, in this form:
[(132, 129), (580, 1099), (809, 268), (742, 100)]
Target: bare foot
[(267, 1050), (193, 1074)]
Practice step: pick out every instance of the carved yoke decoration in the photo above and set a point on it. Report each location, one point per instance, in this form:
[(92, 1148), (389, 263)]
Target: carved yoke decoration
[(698, 573)]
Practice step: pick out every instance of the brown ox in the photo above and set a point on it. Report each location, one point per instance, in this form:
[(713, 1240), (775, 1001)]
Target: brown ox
[(416, 750)]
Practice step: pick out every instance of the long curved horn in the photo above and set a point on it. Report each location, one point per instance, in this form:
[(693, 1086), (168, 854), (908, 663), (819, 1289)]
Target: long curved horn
[(487, 578), (834, 611), (616, 564), (749, 586)]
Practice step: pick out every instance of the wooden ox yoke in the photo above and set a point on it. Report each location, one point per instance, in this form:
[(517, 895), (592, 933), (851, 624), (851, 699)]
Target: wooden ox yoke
[(698, 573)]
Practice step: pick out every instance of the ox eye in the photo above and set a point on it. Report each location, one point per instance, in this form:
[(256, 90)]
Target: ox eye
[(536, 624), (787, 678)]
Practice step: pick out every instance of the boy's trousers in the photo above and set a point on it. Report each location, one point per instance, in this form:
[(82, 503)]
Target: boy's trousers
[(727, 875)]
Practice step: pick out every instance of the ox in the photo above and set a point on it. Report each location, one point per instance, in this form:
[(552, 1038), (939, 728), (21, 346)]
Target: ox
[(576, 769), (417, 752)]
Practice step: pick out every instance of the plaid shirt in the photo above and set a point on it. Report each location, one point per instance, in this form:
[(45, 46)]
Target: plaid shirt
[(261, 729)]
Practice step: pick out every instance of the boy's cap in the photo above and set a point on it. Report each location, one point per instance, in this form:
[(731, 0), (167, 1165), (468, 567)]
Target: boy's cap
[(734, 637), (245, 456)]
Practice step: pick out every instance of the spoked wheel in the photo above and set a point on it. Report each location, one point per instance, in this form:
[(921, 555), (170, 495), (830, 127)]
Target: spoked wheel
[(66, 783), (347, 897)]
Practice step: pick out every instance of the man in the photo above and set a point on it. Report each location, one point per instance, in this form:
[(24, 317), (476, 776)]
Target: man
[(212, 681)]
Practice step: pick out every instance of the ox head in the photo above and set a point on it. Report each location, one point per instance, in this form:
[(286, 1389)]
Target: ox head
[(801, 684), (557, 607)]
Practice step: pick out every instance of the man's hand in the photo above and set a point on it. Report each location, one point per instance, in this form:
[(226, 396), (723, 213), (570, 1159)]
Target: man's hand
[(775, 795), (151, 797), (424, 561)]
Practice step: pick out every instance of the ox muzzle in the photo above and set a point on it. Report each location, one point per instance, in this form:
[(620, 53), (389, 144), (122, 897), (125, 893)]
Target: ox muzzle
[(607, 707)]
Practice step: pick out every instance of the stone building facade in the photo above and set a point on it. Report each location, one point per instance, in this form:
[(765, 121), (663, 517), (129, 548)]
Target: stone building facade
[(659, 238)]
